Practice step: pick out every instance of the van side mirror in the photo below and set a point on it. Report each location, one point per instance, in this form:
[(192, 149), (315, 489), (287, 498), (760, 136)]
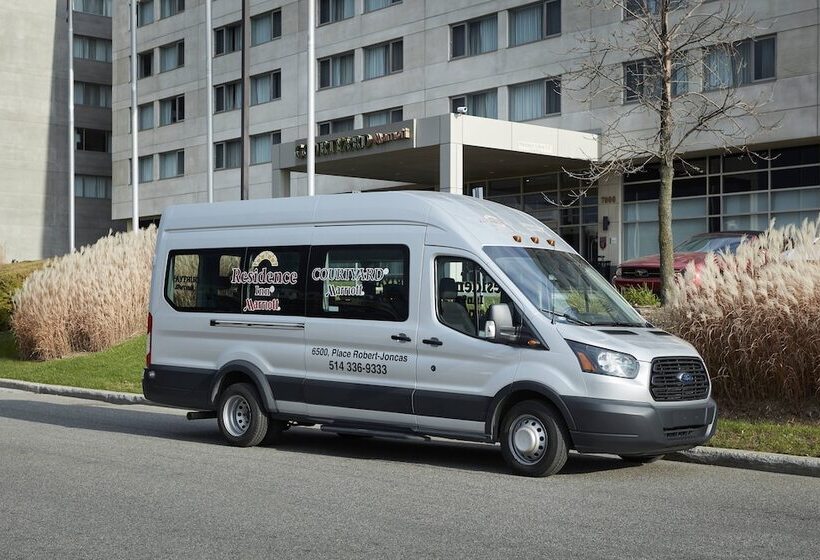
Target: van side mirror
[(499, 326)]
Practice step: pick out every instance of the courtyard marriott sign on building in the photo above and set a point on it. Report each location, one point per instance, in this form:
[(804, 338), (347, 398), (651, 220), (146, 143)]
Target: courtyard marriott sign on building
[(354, 143)]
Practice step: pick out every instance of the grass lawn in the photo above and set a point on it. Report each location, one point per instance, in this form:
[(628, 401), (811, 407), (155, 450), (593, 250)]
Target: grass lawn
[(793, 439), (115, 369), (120, 369)]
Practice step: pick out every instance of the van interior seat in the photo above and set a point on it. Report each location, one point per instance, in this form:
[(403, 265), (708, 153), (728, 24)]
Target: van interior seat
[(453, 313)]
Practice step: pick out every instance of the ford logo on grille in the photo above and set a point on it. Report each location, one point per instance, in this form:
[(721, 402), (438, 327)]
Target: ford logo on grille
[(641, 272), (686, 378)]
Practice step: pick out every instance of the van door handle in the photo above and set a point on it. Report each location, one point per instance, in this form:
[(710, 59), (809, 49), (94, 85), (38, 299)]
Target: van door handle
[(432, 341), (401, 337)]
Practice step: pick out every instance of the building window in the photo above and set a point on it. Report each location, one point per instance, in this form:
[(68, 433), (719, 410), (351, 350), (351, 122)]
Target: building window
[(92, 48), (92, 186), (172, 110), (474, 37), (95, 7), (642, 80), (145, 12), (266, 87), (172, 56), (172, 164), (170, 8), (92, 140), (334, 10), (723, 193), (145, 64), (228, 154), (228, 97), (336, 70), (742, 63), (373, 5), (262, 146), (387, 116), (228, 39), (381, 60), (145, 116), (266, 27), (335, 126), (642, 8), (92, 95), (480, 104), (535, 22), (146, 168), (534, 100)]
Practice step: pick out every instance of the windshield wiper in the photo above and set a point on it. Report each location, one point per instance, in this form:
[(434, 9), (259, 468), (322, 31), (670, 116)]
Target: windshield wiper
[(622, 324), (566, 317)]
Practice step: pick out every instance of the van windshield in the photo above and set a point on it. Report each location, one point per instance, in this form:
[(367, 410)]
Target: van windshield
[(564, 287)]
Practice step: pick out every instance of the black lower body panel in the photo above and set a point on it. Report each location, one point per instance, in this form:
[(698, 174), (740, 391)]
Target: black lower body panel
[(182, 387), (635, 428)]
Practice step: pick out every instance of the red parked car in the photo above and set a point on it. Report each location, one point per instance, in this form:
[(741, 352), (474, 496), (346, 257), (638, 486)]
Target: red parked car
[(645, 271)]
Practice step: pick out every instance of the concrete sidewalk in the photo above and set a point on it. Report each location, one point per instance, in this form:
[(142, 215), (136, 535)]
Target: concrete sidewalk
[(754, 460)]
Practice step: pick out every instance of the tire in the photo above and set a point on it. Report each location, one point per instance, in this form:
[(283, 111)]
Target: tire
[(641, 459), (241, 419), (534, 439)]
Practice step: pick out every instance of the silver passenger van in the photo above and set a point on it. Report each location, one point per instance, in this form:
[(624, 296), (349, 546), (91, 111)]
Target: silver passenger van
[(411, 314)]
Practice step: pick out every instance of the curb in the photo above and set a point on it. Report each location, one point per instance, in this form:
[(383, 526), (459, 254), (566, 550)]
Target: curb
[(76, 392), (750, 460)]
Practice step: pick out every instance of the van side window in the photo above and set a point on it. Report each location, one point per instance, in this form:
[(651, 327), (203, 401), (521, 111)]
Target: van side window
[(274, 281), (359, 282), (464, 294), (201, 280)]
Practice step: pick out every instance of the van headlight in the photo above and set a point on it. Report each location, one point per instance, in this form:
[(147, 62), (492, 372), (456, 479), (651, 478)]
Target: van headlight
[(604, 362)]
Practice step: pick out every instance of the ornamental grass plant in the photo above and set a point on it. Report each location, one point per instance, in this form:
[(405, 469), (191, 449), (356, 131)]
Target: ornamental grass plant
[(755, 316), (86, 301)]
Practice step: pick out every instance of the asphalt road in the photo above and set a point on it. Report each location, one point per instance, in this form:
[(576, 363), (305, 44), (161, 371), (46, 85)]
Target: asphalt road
[(80, 479)]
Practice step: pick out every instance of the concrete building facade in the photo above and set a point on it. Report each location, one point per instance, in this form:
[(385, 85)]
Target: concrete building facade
[(385, 65), (34, 185)]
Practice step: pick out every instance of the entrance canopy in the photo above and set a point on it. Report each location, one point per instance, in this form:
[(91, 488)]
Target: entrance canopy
[(446, 150)]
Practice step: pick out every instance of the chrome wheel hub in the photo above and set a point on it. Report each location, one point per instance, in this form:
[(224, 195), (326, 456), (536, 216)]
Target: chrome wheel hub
[(236, 415), (528, 439)]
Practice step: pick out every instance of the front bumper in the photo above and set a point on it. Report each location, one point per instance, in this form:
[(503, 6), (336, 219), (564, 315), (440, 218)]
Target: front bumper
[(636, 428)]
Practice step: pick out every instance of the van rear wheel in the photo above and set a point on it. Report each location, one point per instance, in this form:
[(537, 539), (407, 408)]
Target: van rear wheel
[(534, 439), (241, 418)]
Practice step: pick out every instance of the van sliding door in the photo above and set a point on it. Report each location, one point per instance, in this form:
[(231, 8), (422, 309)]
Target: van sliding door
[(361, 323)]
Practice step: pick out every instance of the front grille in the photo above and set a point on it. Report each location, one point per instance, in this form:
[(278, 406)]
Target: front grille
[(639, 272), (668, 383)]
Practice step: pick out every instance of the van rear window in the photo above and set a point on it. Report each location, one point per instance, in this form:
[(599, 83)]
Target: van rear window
[(261, 280), (201, 280)]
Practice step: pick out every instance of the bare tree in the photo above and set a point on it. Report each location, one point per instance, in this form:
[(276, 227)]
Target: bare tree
[(676, 63)]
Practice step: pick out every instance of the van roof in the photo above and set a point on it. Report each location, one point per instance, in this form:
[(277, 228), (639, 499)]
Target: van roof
[(451, 216)]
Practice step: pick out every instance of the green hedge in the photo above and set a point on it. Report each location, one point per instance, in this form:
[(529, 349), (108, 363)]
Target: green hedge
[(11, 278)]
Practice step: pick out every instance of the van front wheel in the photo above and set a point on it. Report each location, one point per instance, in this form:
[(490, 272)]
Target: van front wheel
[(241, 418), (533, 439)]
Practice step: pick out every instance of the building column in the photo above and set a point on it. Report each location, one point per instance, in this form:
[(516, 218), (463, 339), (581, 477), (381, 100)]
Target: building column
[(610, 205), (451, 168), (280, 184)]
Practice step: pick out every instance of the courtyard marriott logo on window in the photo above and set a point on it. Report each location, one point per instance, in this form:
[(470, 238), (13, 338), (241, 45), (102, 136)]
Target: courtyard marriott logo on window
[(347, 281), (345, 144), (264, 282)]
